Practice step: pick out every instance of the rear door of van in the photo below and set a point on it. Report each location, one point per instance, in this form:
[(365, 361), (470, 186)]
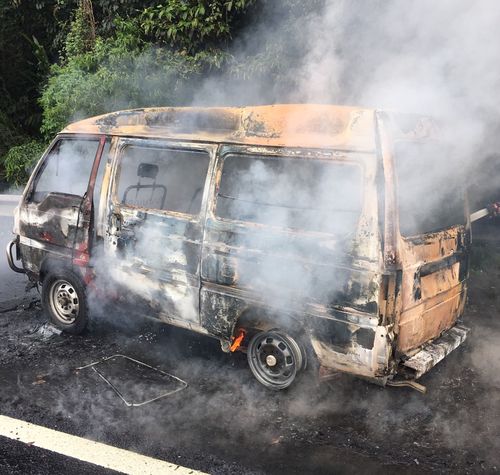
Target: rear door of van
[(433, 242), (155, 225)]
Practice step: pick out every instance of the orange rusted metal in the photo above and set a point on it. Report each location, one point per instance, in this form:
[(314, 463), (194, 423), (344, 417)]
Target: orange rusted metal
[(431, 302), (291, 125), (386, 296)]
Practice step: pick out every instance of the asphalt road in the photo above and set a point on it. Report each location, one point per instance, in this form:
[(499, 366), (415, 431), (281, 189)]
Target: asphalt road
[(12, 285), (18, 458), (223, 422)]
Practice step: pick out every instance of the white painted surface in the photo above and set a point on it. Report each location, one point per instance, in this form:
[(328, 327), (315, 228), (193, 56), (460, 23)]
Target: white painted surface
[(88, 451)]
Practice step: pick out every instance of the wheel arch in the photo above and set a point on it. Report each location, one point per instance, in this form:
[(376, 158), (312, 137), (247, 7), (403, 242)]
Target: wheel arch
[(52, 264), (262, 319)]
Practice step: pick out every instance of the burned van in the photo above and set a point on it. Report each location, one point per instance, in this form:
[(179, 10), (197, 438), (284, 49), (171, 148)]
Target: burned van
[(307, 236)]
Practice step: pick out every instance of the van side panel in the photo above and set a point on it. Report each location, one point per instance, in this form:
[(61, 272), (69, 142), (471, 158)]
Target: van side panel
[(154, 233), (306, 282)]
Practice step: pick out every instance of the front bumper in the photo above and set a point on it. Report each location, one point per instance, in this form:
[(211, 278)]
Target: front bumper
[(10, 258), (432, 353)]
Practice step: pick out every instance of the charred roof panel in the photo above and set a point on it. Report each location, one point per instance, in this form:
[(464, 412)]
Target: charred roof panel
[(293, 125)]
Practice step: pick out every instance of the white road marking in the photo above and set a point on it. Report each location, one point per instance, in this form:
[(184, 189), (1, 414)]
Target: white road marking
[(89, 451)]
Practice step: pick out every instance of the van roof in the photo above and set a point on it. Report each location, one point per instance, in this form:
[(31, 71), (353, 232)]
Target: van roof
[(292, 125)]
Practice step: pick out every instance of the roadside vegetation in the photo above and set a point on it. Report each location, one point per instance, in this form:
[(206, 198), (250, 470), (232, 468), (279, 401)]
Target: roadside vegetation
[(62, 60)]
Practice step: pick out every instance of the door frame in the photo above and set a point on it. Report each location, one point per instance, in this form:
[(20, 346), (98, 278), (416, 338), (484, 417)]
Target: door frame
[(76, 253), (114, 205)]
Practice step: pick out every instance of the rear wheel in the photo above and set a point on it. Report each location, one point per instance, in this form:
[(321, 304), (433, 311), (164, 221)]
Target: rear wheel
[(64, 301), (275, 359)]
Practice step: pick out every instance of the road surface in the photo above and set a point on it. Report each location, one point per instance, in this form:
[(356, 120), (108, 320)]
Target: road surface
[(12, 285), (223, 422)]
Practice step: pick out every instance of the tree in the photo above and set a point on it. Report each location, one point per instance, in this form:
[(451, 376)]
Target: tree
[(137, 66), (193, 26)]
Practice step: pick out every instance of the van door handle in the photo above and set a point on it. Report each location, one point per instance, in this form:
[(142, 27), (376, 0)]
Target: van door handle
[(116, 224)]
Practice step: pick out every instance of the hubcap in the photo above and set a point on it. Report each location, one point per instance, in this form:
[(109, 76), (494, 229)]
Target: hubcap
[(64, 301), (274, 359), (271, 360)]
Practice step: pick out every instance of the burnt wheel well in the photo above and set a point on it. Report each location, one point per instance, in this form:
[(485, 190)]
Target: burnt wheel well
[(254, 320), (52, 265)]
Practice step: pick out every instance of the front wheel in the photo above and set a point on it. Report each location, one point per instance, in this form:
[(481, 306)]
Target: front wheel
[(64, 301), (275, 359)]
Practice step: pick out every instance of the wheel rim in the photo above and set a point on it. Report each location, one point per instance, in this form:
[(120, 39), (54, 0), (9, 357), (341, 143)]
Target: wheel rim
[(274, 359), (64, 302)]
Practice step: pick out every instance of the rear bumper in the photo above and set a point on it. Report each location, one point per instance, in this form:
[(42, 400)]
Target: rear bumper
[(432, 353), (10, 258)]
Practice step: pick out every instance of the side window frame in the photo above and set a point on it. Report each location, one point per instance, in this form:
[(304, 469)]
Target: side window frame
[(286, 154), (42, 163), (125, 142)]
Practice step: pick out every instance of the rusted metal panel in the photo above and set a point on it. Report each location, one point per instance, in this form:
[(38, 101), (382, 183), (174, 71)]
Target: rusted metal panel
[(390, 212), (433, 285), (427, 272), (159, 255), (303, 125), (432, 353), (51, 229)]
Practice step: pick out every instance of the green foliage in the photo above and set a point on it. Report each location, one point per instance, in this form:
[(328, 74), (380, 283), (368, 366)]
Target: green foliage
[(81, 36), (106, 12), (192, 25), (274, 59), (62, 60), (33, 36), (20, 159), (8, 133), (126, 70), (118, 73), (20, 70), (195, 36)]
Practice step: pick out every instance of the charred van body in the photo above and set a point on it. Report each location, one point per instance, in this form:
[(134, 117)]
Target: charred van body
[(296, 233)]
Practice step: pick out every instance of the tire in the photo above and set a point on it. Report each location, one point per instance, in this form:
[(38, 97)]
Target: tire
[(64, 301), (275, 359)]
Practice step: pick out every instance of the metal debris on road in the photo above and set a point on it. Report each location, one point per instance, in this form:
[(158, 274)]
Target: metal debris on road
[(46, 331), (409, 383), (125, 374)]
